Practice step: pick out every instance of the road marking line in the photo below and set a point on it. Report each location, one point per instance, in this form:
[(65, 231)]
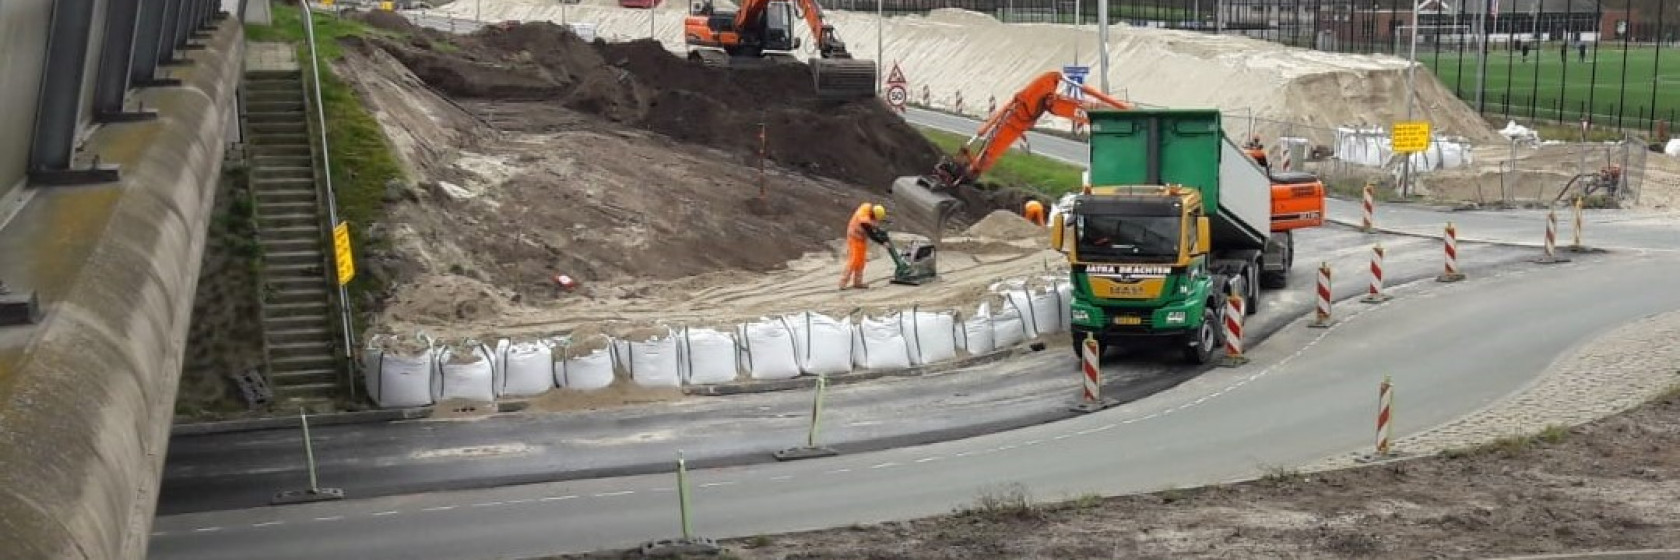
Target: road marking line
[(1201, 400), (160, 533), (711, 484), (266, 524), (963, 454), (524, 501), (1034, 442), (333, 518), (556, 498), (439, 508), (487, 504), (385, 513), (618, 493), (206, 529), (885, 465), (663, 489), (927, 459), (1062, 437), (838, 471), (782, 477)]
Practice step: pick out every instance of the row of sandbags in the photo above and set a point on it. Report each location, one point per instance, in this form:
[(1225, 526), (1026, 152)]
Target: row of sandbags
[(782, 347)]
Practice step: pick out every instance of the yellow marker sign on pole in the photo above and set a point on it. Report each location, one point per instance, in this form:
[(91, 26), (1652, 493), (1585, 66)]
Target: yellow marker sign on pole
[(387, 6), (1410, 136), (341, 253)]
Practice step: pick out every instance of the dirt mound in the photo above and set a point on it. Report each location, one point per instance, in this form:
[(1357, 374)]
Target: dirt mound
[(389, 21), (641, 84), (1003, 224)]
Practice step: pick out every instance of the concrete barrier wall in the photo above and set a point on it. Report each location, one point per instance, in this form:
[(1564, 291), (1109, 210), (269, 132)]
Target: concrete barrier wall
[(23, 49), (87, 395)]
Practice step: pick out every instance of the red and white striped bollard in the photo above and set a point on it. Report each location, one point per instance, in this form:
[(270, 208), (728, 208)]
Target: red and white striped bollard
[(1385, 404), (1287, 164), (959, 104), (1550, 248), (1576, 246), (1321, 318), (1375, 294), (1233, 331), (1450, 242), (1090, 366), (1367, 221)]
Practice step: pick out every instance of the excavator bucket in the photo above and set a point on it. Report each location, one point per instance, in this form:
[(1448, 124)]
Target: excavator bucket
[(913, 198), (844, 78)]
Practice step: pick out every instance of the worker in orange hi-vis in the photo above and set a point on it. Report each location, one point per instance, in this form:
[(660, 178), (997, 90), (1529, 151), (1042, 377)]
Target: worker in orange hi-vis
[(1034, 212), (864, 226)]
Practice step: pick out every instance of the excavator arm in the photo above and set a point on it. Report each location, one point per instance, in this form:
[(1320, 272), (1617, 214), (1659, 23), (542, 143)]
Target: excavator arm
[(1010, 122), (829, 45)]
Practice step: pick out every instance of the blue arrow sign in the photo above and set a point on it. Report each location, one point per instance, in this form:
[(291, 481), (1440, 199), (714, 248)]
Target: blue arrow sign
[(1076, 74)]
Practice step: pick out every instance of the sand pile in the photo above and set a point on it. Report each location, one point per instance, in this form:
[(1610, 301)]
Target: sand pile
[(952, 51), (1003, 224), (641, 84)]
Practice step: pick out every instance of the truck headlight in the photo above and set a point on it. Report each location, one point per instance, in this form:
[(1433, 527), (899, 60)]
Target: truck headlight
[(1175, 317), (1081, 315)]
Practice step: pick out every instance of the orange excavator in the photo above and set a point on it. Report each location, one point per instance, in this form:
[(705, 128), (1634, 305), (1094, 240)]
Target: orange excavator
[(1010, 122), (763, 31)]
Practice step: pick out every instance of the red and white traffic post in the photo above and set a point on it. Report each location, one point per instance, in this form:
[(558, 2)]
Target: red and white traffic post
[(959, 103), (1321, 314), (1367, 220), (1375, 294), (991, 104), (1385, 403), (1575, 244), (1450, 242), (1234, 307), (1550, 248), (1090, 368)]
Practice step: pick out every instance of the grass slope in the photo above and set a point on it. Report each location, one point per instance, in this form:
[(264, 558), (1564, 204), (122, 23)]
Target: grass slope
[(1017, 169)]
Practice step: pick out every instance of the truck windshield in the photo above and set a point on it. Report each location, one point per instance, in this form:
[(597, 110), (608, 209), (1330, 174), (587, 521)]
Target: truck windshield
[(1128, 237)]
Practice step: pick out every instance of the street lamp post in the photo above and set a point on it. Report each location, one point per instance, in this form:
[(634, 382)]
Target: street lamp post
[(1411, 94), (880, 44), (1102, 44)]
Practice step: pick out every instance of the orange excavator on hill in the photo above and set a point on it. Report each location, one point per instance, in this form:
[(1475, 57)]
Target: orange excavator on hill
[(1010, 122), (760, 31)]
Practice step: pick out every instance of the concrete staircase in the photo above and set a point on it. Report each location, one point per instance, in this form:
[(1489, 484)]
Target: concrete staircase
[(298, 313)]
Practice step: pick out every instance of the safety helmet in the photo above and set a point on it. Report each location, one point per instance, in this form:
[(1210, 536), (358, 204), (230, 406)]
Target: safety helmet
[(1031, 204), (880, 212)]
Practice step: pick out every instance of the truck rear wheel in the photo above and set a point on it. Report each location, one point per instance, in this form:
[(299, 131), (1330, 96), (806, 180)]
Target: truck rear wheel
[(1200, 345)]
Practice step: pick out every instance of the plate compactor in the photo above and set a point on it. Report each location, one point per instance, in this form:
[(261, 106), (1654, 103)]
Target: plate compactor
[(914, 198)]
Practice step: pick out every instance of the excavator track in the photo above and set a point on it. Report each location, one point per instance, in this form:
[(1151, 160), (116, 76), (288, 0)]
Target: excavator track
[(844, 78)]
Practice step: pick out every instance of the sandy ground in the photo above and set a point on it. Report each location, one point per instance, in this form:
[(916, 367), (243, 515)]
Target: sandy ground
[(952, 51), (1609, 485)]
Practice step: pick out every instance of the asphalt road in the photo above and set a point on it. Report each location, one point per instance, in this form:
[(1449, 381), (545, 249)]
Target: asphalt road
[(1307, 395), (1605, 229), (245, 469)]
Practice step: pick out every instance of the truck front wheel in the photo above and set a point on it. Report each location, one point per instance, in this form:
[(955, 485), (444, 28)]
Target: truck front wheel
[(1200, 345)]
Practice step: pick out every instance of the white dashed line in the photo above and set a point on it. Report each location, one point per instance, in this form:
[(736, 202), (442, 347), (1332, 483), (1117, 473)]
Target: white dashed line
[(207, 529), (1062, 437), (266, 524), (711, 484), (927, 459), (524, 501), (839, 471), (439, 508), (487, 504), (884, 465), (385, 513), (160, 533), (556, 498), (781, 478), (1034, 442), (663, 489), (1007, 447), (333, 518), (618, 493)]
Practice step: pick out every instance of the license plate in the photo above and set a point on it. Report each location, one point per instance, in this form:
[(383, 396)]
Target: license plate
[(1128, 320), (1125, 290)]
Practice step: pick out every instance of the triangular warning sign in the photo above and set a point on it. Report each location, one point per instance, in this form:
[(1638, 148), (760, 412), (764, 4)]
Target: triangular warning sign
[(896, 76)]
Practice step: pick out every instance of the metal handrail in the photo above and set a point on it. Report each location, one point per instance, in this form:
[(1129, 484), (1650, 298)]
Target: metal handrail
[(349, 337)]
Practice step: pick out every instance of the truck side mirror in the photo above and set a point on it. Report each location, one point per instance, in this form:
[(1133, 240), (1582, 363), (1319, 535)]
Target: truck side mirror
[(1204, 235), (1057, 225)]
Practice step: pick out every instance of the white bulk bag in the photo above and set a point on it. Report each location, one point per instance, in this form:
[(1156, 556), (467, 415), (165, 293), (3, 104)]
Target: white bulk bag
[(1009, 326), (1018, 299), (396, 380), (879, 344), (527, 368), (977, 332), (652, 363), (768, 350), (931, 337), (1064, 290), (586, 372), (708, 357), (473, 380), (1048, 308), (822, 343)]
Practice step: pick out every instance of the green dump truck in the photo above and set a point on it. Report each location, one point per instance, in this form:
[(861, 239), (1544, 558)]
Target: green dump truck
[(1174, 217)]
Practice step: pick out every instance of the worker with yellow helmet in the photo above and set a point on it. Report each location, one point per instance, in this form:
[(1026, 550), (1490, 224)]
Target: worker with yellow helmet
[(863, 227)]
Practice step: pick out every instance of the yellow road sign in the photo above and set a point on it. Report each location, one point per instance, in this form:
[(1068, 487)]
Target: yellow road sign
[(387, 6), (1410, 136), (341, 253)]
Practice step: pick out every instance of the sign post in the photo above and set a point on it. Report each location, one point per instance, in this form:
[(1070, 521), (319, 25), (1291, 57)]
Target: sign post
[(1076, 74), (896, 94), (1409, 137)]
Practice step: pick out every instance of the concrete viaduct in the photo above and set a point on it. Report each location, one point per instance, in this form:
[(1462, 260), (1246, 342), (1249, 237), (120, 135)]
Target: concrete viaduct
[(118, 114)]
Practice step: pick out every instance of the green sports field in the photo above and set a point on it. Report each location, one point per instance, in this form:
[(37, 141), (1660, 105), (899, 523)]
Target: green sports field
[(1549, 88)]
